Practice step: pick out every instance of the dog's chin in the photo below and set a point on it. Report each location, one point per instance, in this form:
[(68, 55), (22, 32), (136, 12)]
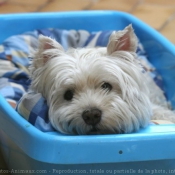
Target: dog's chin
[(92, 130), (100, 129), (95, 131)]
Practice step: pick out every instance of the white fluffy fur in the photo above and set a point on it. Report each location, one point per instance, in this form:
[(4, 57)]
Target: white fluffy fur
[(126, 108)]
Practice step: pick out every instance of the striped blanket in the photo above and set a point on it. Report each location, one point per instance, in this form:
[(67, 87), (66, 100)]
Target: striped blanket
[(14, 75)]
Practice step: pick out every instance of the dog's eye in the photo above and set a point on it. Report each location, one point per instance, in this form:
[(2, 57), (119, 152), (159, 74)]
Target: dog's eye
[(68, 95), (106, 86)]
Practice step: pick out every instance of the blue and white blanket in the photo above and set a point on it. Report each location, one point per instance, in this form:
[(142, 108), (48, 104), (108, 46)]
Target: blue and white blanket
[(14, 75)]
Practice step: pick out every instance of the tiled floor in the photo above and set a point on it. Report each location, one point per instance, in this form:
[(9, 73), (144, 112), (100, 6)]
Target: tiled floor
[(160, 14)]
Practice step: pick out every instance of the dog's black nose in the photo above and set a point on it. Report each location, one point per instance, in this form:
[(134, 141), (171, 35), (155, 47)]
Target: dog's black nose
[(92, 116)]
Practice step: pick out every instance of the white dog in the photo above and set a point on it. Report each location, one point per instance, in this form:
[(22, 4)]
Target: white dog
[(97, 90)]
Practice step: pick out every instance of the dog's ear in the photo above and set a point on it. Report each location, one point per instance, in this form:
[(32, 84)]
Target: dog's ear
[(124, 40), (47, 47)]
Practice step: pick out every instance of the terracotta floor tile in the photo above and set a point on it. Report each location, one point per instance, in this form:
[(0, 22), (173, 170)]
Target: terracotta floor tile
[(66, 5), (161, 2), (15, 8), (153, 15), (121, 5), (9, 8), (169, 31), (28, 2)]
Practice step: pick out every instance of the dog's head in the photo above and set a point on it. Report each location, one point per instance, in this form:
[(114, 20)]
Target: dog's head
[(92, 90)]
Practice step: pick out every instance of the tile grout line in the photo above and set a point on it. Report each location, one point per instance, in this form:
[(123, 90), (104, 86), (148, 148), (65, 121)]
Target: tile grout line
[(91, 4), (135, 6), (171, 18), (43, 5)]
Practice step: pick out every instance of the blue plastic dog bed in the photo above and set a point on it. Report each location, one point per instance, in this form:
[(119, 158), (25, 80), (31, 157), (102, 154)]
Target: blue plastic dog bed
[(27, 150)]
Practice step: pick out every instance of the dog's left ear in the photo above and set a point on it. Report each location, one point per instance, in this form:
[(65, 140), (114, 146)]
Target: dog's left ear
[(124, 40)]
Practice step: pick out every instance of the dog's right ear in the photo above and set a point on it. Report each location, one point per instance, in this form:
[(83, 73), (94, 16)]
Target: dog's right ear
[(47, 49)]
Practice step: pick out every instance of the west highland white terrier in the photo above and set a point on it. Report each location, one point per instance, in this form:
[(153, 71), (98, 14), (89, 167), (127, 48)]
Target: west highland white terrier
[(97, 90)]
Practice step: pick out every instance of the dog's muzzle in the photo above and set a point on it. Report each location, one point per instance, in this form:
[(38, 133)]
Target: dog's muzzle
[(92, 116)]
